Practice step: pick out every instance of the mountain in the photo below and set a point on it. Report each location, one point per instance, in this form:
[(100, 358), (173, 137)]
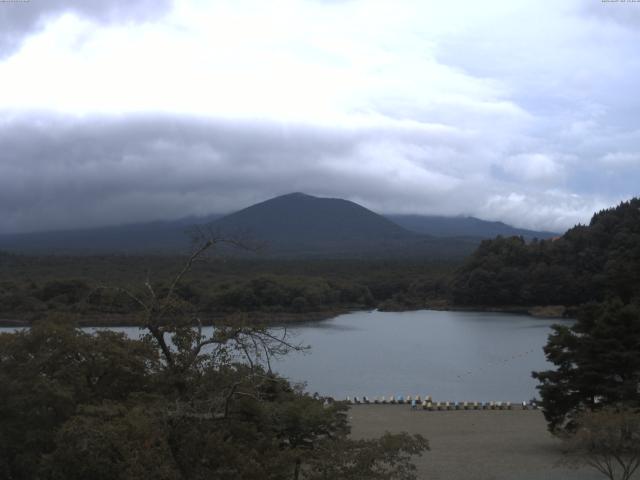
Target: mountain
[(298, 225), (439, 226), (297, 221), (290, 225)]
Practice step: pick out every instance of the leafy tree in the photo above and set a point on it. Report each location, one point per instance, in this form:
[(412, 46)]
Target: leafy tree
[(51, 370), (597, 364)]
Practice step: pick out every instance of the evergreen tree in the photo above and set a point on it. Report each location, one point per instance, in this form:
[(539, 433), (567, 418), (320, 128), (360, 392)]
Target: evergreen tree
[(597, 364)]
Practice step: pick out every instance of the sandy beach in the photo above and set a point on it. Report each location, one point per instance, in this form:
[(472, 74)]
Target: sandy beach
[(474, 445)]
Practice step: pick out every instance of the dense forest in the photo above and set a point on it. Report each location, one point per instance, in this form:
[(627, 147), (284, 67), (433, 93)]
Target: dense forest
[(589, 263), (34, 287)]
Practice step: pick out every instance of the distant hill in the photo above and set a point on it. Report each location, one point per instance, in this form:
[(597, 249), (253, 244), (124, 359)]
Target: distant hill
[(302, 222), (152, 237), (297, 224), (290, 225), (439, 226), (588, 263)]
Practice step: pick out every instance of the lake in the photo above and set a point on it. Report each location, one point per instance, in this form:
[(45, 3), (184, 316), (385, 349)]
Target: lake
[(454, 356)]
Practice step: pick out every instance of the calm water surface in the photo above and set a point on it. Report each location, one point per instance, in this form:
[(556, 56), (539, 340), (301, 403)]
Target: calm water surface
[(456, 356), (475, 356)]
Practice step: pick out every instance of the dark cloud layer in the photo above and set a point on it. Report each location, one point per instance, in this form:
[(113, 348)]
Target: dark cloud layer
[(61, 172), (58, 171), (18, 19)]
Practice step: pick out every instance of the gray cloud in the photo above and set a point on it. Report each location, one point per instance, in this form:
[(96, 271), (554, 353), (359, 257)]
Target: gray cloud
[(530, 122), (623, 13), (62, 172), (20, 19)]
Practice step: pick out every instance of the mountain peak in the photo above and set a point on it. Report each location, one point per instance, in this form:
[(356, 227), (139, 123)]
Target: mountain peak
[(295, 195), (301, 221), (289, 197)]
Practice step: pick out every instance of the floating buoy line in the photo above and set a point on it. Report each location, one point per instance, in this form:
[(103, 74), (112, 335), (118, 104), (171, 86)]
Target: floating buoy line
[(427, 403), (496, 363)]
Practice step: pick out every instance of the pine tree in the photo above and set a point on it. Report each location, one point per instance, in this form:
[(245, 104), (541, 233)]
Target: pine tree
[(598, 363)]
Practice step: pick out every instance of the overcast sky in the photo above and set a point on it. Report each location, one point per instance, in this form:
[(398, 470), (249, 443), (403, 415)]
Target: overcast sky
[(522, 111)]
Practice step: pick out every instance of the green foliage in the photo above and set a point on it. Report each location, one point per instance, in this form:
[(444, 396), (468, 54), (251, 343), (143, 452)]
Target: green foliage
[(588, 263), (110, 441), (35, 287), (597, 364), (51, 370), (65, 291)]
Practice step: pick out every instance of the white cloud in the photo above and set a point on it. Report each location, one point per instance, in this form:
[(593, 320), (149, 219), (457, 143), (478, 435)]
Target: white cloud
[(622, 159), (507, 110), (534, 167), (550, 210), (291, 60)]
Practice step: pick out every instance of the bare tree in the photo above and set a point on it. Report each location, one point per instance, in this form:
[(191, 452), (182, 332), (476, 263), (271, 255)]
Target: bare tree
[(177, 329), (607, 440)]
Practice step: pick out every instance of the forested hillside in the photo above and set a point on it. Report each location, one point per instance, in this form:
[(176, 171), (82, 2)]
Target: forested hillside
[(588, 263), (36, 287)]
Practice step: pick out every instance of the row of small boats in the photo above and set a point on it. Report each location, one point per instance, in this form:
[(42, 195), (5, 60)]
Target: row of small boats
[(427, 403)]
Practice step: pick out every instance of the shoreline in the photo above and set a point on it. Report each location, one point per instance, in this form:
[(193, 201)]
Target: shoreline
[(536, 311), (285, 318), (129, 320)]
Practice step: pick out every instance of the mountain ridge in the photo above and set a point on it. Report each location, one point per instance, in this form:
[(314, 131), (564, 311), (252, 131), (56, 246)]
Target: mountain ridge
[(292, 224), (464, 226)]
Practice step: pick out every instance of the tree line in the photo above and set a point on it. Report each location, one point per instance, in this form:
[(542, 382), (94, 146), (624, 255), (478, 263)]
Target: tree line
[(77, 286), (588, 263)]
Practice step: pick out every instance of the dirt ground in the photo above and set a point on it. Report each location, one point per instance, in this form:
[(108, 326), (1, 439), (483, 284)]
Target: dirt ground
[(474, 444)]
